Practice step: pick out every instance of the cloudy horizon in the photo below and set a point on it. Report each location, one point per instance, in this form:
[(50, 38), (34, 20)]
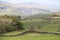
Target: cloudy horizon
[(49, 3)]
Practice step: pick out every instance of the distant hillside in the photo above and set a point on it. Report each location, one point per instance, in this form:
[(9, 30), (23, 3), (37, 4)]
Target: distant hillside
[(23, 9)]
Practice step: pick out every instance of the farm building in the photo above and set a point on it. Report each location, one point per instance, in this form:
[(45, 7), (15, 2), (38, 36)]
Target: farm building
[(56, 15)]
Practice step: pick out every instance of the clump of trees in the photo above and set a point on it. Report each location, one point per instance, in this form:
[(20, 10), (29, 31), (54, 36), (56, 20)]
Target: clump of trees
[(9, 23)]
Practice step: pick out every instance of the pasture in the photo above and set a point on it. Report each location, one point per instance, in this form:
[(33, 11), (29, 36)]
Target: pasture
[(39, 25)]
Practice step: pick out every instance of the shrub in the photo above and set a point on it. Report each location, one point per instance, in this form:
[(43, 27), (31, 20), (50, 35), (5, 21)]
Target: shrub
[(8, 24)]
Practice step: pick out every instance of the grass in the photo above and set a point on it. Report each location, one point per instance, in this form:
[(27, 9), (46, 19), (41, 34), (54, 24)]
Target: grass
[(37, 25), (28, 37), (32, 36), (43, 25)]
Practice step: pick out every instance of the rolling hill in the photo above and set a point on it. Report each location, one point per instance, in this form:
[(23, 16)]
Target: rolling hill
[(23, 9)]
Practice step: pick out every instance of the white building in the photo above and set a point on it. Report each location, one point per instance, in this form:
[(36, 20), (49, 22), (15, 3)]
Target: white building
[(56, 15)]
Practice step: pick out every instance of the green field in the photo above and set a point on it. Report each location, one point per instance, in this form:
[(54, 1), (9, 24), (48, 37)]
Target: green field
[(31, 36), (39, 25), (43, 25)]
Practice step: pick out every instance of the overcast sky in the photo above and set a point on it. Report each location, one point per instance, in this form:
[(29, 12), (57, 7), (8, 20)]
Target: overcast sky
[(51, 2)]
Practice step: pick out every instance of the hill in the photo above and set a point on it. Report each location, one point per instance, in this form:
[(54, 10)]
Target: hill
[(23, 9)]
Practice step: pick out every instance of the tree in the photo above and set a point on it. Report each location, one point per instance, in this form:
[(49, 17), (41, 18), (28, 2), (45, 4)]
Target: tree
[(8, 24), (18, 25)]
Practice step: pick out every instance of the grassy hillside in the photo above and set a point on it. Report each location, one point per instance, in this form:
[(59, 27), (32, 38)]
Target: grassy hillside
[(44, 25), (31, 36)]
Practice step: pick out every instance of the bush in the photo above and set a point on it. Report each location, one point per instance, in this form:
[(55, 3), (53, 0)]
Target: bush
[(18, 25), (8, 24)]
